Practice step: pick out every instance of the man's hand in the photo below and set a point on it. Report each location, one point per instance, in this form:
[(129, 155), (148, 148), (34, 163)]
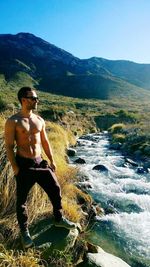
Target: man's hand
[(16, 170), (53, 166)]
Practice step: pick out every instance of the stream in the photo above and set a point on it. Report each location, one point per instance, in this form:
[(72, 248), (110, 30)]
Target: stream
[(123, 193)]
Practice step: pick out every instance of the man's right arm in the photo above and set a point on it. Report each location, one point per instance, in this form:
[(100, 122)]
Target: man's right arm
[(10, 142)]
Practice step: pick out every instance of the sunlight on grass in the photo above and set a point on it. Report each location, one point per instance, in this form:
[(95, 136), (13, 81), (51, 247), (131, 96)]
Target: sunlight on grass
[(12, 258), (71, 209)]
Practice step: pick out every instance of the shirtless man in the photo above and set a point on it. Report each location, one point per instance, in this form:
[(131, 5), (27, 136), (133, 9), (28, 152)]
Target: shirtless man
[(27, 131)]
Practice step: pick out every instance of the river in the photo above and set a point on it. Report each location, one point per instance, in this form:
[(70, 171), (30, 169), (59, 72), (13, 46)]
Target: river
[(125, 196)]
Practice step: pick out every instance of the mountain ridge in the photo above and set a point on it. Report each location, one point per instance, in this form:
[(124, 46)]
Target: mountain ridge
[(52, 69)]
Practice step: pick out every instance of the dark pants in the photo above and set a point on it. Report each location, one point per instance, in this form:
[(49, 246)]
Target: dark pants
[(31, 172)]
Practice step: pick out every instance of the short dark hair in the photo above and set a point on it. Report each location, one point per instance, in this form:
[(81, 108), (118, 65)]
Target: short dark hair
[(23, 92)]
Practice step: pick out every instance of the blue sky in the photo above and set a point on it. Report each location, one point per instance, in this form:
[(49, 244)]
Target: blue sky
[(112, 29)]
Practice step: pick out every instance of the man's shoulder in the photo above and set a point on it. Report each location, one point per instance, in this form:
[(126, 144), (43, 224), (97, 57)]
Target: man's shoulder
[(12, 121), (14, 117)]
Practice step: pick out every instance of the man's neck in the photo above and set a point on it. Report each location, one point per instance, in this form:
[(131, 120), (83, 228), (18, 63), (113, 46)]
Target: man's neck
[(26, 113)]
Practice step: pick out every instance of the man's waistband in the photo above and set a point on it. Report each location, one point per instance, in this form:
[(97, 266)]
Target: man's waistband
[(28, 162)]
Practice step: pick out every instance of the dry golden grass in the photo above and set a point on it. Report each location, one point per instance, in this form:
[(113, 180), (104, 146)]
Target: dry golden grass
[(76, 193), (71, 202), (71, 209), (11, 258), (2, 122)]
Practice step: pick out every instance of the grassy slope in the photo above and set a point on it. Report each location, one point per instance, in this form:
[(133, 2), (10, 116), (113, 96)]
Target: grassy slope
[(90, 85)]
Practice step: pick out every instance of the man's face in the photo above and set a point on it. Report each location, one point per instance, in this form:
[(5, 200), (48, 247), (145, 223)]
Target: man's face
[(31, 100)]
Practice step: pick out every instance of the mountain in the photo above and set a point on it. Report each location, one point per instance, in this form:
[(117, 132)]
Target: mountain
[(29, 60)]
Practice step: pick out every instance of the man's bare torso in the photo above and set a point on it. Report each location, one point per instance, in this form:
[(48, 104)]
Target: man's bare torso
[(28, 135)]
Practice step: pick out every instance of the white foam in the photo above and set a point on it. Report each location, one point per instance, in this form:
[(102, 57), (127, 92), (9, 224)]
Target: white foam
[(136, 229)]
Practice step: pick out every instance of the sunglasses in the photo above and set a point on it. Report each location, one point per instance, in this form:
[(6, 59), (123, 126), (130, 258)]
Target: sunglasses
[(33, 98)]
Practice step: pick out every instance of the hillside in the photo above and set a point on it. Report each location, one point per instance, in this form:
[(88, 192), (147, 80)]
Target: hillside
[(134, 73), (28, 60)]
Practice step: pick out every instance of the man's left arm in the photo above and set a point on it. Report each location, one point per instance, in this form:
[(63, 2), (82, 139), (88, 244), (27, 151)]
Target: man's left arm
[(47, 147)]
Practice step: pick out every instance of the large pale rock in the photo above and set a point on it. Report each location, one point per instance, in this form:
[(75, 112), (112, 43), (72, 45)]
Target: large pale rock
[(48, 237), (103, 259), (56, 238)]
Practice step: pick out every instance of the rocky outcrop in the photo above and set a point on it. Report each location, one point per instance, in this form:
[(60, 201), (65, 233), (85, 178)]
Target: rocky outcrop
[(102, 259), (48, 237)]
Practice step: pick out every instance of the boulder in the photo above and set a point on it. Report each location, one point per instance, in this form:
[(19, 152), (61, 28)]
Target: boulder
[(142, 170), (100, 167), (80, 161), (102, 259), (71, 152), (110, 209), (55, 238), (131, 162), (115, 146), (48, 237)]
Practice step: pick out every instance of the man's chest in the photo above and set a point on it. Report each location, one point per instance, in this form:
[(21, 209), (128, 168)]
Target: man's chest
[(28, 126)]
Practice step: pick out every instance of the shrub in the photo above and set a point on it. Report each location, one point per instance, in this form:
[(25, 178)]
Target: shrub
[(3, 104), (126, 116), (145, 148), (119, 138), (117, 128)]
